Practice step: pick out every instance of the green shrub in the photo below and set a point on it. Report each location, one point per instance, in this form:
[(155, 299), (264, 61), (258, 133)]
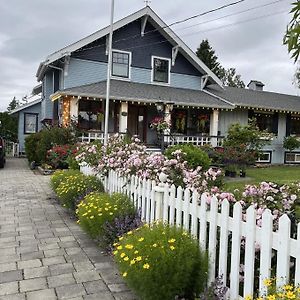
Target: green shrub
[(61, 175), (96, 209), (37, 144), (194, 155), (72, 188), (162, 262)]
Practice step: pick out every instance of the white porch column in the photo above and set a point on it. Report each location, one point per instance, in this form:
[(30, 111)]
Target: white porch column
[(214, 127), (167, 117), (74, 109), (123, 117)]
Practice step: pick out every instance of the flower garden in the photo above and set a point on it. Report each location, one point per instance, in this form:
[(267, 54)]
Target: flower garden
[(149, 255)]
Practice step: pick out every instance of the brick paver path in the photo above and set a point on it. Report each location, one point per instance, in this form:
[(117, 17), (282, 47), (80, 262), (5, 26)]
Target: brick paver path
[(44, 254)]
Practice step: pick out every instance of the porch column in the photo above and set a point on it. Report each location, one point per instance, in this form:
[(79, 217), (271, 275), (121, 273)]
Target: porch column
[(123, 117), (214, 126), (74, 109)]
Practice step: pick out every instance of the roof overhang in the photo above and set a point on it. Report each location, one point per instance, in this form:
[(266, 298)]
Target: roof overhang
[(158, 22), (27, 105)]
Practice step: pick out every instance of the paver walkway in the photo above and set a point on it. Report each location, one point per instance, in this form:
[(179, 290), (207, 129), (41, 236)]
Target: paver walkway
[(44, 254)]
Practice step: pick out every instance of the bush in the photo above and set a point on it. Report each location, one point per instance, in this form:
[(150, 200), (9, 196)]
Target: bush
[(72, 187), (194, 156), (61, 175), (291, 143), (98, 208), (37, 144), (162, 262), (57, 156)]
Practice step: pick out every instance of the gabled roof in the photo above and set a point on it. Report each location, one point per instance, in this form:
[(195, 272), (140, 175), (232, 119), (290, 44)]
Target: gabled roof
[(146, 93), (248, 98), (27, 105), (157, 22)]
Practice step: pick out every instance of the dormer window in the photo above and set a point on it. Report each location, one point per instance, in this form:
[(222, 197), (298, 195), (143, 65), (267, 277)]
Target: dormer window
[(121, 64), (160, 70)]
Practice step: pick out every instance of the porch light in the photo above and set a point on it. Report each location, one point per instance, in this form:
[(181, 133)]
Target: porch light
[(159, 106)]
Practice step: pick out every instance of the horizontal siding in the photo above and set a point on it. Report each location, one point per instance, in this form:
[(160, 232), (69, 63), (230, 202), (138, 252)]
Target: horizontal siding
[(83, 72), (227, 118), (47, 105)]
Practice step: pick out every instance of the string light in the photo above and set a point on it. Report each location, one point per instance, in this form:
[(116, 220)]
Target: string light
[(66, 112)]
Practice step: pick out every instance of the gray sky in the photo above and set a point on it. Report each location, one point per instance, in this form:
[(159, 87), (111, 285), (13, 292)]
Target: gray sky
[(30, 30)]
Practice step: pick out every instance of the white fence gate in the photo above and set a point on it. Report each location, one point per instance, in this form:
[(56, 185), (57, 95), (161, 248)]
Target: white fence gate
[(230, 240)]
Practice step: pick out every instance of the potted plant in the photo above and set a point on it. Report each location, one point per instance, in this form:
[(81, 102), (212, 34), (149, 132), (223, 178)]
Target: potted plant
[(230, 170)]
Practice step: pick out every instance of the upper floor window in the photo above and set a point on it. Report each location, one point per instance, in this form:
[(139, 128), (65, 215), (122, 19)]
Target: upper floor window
[(121, 63), (30, 123), (161, 70)]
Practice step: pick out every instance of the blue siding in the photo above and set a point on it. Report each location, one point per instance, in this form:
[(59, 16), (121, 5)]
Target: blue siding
[(129, 38), (48, 89), (226, 118), (21, 136)]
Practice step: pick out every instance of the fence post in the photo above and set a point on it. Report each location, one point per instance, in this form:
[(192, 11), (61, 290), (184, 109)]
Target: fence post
[(159, 197)]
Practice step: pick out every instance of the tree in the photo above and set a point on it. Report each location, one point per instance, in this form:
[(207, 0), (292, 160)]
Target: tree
[(206, 53), (291, 143), (14, 103), (8, 126), (228, 76), (292, 39)]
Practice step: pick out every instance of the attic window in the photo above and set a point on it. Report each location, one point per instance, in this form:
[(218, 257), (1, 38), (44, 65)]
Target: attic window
[(121, 63), (161, 70)]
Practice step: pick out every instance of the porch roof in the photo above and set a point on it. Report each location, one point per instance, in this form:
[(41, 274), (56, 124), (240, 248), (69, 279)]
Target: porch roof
[(147, 93), (261, 100)]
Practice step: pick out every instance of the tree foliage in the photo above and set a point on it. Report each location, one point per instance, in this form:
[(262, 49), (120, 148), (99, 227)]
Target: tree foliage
[(14, 103), (291, 143), (8, 126), (228, 76), (292, 36)]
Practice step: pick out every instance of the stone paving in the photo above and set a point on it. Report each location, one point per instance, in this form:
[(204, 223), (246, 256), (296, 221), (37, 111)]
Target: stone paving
[(44, 254)]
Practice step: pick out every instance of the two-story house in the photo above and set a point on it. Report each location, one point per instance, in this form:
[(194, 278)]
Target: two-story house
[(155, 73)]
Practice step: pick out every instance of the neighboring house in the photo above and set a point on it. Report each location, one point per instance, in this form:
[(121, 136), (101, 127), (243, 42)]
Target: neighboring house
[(29, 121), (155, 73)]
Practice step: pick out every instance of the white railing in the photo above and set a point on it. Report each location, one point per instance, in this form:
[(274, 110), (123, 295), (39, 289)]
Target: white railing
[(12, 149), (222, 231), (193, 139), (88, 137)]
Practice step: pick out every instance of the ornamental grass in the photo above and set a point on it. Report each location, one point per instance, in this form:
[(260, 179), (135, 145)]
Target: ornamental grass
[(162, 262), (73, 186), (98, 209)]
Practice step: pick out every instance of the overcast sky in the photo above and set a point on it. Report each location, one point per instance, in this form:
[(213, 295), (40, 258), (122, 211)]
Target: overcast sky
[(31, 29)]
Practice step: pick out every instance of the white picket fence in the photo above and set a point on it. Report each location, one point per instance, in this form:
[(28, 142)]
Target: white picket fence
[(229, 239)]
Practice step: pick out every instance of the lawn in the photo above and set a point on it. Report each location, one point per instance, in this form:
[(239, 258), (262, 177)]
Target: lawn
[(278, 174)]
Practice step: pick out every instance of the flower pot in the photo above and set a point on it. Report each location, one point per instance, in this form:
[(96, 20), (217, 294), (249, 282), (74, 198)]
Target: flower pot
[(242, 174), (232, 174)]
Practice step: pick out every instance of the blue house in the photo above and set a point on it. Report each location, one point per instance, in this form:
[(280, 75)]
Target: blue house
[(154, 73)]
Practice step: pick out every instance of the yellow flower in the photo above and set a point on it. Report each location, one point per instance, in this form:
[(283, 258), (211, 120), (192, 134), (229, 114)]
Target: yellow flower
[(126, 258), (136, 252), (129, 246), (115, 244), (267, 282), (171, 241), (124, 274), (172, 248), (120, 247), (129, 232), (78, 221), (92, 217), (139, 258), (141, 239), (185, 233), (290, 295), (111, 213), (271, 297), (154, 245), (115, 252), (288, 287), (123, 255), (146, 266), (121, 238), (248, 298), (132, 262)]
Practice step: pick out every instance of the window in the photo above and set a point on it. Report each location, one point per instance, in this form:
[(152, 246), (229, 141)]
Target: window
[(295, 125), (161, 70), (30, 123), (293, 157), (265, 157), (265, 121), (120, 64)]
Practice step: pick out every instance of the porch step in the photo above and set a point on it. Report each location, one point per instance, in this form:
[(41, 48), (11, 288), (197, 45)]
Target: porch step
[(153, 150)]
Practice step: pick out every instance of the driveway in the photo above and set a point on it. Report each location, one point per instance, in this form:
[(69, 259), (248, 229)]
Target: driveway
[(44, 254)]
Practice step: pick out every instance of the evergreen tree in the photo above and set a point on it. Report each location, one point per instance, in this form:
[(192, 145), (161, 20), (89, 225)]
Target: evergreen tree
[(14, 103), (228, 76), (9, 126)]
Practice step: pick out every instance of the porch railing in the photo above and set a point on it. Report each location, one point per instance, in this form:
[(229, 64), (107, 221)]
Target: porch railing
[(174, 139)]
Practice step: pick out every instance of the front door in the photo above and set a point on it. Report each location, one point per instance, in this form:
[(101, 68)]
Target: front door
[(137, 123)]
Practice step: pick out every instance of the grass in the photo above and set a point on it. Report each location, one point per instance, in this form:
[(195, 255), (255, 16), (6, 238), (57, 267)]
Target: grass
[(278, 174)]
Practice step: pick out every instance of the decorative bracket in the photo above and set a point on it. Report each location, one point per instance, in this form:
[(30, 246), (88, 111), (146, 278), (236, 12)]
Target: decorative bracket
[(204, 80), (174, 54), (143, 26)]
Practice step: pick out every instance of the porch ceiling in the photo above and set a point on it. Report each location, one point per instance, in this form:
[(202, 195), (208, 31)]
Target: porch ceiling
[(147, 93)]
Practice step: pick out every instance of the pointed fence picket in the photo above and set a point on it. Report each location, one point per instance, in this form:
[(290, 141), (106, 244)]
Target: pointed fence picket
[(230, 236)]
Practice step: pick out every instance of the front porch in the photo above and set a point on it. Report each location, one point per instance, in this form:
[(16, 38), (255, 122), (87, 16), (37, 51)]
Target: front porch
[(192, 116)]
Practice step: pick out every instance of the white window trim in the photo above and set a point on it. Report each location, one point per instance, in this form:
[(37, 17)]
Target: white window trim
[(152, 71), (264, 160), (129, 66), (289, 161)]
